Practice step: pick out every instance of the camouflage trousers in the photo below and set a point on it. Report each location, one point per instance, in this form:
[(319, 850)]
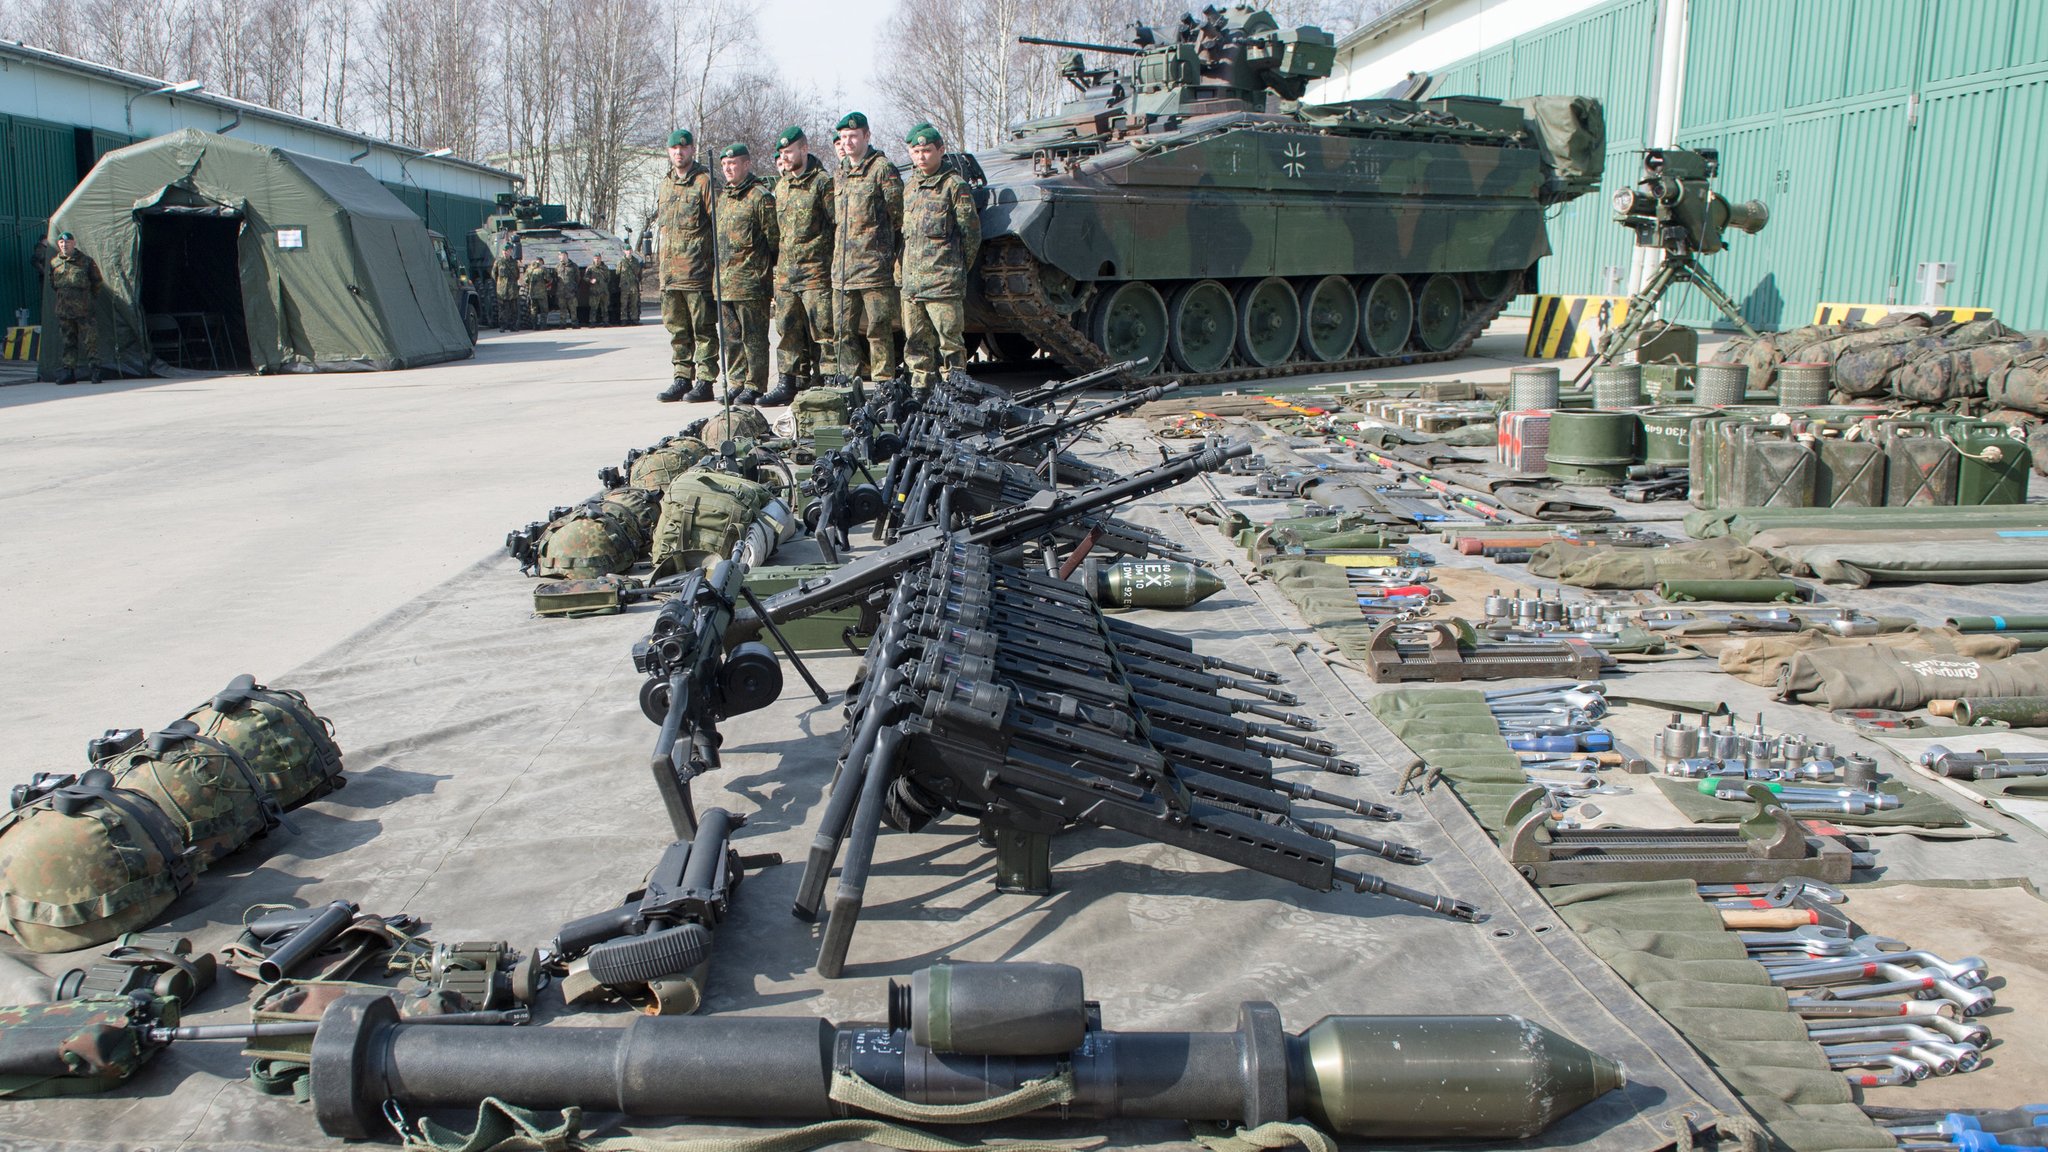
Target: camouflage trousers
[(507, 304), (600, 305), (934, 338), (629, 301), (78, 341), (744, 324), (803, 331), (864, 319), (692, 333)]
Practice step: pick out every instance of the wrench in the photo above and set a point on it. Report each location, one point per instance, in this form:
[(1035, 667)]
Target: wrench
[(1815, 939), (1780, 895), (1967, 1035), (1969, 972)]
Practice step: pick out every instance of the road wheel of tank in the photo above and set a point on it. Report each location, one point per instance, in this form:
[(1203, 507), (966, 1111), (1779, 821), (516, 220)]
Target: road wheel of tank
[(1489, 286), (1268, 321), (1129, 323), (1439, 313), (1329, 319), (1386, 315), (1204, 326)]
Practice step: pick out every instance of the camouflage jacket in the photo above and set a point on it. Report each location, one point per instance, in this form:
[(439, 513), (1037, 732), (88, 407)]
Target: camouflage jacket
[(803, 212), (941, 236), (568, 276), (682, 211), (867, 207), (505, 269), (599, 277), (629, 272), (538, 278), (747, 239), (76, 281)]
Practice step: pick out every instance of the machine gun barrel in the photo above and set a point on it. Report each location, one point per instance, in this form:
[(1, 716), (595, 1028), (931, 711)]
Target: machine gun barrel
[(1053, 390), (1080, 45), (861, 578), (1034, 434)]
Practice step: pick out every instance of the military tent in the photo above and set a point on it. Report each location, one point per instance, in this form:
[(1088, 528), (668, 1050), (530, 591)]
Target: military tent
[(220, 253)]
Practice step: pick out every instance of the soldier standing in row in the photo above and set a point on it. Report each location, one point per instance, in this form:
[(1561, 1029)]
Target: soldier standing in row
[(539, 284), (941, 238), (803, 268), (75, 281), (683, 211), (599, 280), (629, 288), (867, 212), (568, 286), (505, 271), (747, 240)]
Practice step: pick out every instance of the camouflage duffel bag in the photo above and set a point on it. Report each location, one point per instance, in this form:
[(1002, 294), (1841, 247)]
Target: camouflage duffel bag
[(204, 786), (588, 541), (639, 510), (288, 746), (653, 468), (816, 408), (740, 422), (2021, 383), (704, 513), (72, 1047), (82, 861)]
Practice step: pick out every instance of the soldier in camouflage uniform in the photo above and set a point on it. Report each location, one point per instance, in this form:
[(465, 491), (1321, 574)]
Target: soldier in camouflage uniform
[(867, 210), (803, 268), (629, 288), (539, 284), (598, 277), (568, 289), (683, 209), (75, 282), (505, 271), (941, 238), (747, 240)]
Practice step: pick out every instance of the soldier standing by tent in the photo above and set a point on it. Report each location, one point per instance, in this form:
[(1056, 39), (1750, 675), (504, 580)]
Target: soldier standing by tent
[(629, 288), (539, 284), (599, 280), (505, 270), (868, 214), (803, 267), (75, 280), (568, 286), (746, 266), (683, 209), (941, 238)]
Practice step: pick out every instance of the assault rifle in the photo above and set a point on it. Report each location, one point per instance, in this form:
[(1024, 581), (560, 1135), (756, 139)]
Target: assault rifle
[(866, 580)]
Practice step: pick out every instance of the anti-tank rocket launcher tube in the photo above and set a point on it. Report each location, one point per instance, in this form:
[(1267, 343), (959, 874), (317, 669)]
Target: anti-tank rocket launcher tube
[(1020, 1034), (877, 571)]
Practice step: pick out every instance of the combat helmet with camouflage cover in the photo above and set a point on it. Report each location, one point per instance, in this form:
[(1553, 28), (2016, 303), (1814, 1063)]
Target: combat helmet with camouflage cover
[(639, 510), (82, 861), (740, 422), (204, 786), (290, 747), (589, 541), (653, 468)]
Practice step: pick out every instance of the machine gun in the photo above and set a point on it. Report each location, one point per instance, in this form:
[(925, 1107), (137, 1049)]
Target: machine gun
[(1000, 693), (865, 581)]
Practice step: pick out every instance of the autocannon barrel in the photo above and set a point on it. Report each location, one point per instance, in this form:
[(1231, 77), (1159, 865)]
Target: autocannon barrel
[(1080, 45), (1373, 1077)]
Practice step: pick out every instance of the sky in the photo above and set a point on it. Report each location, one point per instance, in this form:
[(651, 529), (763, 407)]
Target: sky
[(828, 44)]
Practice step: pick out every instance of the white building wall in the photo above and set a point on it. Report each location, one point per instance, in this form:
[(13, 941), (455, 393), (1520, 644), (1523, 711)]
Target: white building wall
[(1428, 36)]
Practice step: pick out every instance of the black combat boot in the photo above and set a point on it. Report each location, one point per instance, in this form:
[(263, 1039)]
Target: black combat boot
[(95, 373), (746, 395), (67, 376), (699, 392), (783, 392), (678, 389)]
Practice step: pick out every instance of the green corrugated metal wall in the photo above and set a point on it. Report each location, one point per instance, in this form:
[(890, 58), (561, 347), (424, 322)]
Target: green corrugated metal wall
[(454, 217), (1882, 133)]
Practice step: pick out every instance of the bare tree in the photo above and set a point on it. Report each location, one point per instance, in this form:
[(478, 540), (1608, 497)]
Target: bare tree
[(432, 66), (614, 86)]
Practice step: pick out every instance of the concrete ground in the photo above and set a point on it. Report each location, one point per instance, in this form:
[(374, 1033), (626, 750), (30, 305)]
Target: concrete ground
[(170, 534)]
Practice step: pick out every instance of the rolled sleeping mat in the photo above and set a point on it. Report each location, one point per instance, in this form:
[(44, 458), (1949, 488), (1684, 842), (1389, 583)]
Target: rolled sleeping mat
[(1997, 623), (1734, 591)]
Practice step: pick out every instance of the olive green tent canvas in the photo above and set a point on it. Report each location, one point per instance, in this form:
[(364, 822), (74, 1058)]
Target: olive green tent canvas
[(222, 254)]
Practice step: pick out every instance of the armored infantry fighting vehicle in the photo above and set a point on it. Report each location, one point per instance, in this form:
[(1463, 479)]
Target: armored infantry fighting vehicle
[(536, 229), (1189, 211)]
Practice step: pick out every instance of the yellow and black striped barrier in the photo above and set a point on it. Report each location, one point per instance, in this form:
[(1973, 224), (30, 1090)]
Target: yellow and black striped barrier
[(1871, 313), (1562, 327), (22, 344)]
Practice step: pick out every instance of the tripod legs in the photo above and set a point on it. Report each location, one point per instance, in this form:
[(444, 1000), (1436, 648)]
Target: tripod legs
[(1677, 268)]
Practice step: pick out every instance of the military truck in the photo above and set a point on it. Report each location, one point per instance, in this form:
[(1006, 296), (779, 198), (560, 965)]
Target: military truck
[(1189, 210), (537, 229), (461, 286)]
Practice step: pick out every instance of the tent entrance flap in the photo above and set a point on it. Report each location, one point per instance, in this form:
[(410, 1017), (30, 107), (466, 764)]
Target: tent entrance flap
[(190, 282)]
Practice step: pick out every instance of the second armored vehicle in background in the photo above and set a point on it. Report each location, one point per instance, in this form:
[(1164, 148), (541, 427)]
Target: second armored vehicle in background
[(1190, 213), (543, 230)]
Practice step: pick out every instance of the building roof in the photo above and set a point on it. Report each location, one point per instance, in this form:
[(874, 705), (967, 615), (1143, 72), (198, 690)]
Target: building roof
[(243, 109), (1399, 14)]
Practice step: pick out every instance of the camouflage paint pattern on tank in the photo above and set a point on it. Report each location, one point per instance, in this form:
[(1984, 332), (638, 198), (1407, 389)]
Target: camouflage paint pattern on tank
[(1161, 203)]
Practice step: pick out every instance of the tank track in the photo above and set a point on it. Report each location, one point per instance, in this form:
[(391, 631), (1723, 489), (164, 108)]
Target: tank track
[(1011, 285)]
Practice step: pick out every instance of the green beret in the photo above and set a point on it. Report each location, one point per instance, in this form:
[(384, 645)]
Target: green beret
[(790, 135), (924, 133), (852, 120), (681, 137), (65, 236), (732, 150)]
